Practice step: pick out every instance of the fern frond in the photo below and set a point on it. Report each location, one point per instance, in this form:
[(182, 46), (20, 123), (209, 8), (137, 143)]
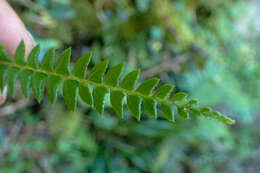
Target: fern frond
[(73, 83)]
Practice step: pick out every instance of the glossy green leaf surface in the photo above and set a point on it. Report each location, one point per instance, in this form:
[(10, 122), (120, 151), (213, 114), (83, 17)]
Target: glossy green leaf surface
[(147, 86), (134, 105), (183, 113), (53, 87), (63, 63), (164, 91), (205, 110), (150, 107), (70, 93), (12, 75), (130, 80), (19, 54), (85, 94), (98, 71), (47, 61), (168, 112), (180, 96), (117, 101), (113, 75), (25, 77), (80, 67), (4, 55), (195, 112), (3, 76), (99, 98), (33, 58), (38, 83)]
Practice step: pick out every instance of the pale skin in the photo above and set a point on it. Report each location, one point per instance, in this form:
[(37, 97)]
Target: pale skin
[(12, 31)]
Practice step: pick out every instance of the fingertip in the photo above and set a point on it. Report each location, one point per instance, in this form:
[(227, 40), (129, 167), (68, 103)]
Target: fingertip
[(12, 40), (29, 43), (13, 30)]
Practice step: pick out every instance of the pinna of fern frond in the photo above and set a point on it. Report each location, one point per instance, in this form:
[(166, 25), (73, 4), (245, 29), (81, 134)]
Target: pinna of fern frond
[(35, 77)]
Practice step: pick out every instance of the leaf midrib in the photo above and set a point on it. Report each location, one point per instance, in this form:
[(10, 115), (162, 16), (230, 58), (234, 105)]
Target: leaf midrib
[(86, 82)]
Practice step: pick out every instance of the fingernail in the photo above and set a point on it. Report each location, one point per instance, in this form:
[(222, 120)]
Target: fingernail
[(29, 43), (30, 38)]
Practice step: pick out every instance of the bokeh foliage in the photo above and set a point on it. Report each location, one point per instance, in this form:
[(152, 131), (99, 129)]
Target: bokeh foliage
[(196, 45)]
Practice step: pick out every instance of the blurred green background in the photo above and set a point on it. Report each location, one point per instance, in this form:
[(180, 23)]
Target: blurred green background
[(208, 48)]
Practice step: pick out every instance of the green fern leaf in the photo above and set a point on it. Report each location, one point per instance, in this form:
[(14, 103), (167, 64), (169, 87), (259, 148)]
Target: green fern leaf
[(99, 98), (3, 76), (38, 83), (181, 96), (85, 94), (205, 110), (113, 75), (12, 75), (168, 113), (63, 63), (147, 86), (19, 54), (134, 105), (195, 112), (97, 73), (150, 107), (33, 60), (33, 78), (193, 102), (70, 93), (183, 113), (164, 91), (80, 68), (4, 55), (25, 77), (47, 60), (117, 101), (130, 80), (53, 87)]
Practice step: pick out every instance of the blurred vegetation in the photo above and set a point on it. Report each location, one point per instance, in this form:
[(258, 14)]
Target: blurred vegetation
[(208, 48)]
